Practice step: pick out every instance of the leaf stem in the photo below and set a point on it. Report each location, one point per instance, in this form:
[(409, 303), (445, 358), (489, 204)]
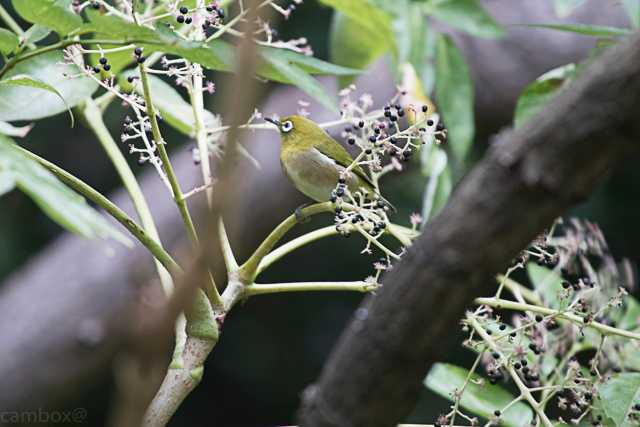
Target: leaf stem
[(87, 191)]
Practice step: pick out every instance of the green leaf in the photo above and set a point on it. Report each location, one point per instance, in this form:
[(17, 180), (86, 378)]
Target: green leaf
[(36, 33), (313, 65), (280, 65), (8, 41), (454, 91), (538, 93), (353, 45), (48, 13), (444, 379), (217, 55), (17, 102), (174, 109), (60, 203), (565, 7), (633, 10), (547, 283), (465, 15), (10, 130), (631, 318), (415, 43), (439, 184), (617, 397), (375, 21), (361, 32), (630, 356), (28, 81), (585, 30), (302, 80)]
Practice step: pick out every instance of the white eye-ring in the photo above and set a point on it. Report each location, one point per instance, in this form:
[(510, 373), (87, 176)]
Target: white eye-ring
[(287, 126)]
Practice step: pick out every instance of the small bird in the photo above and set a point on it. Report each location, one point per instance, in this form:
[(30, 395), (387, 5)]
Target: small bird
[(314, 161)]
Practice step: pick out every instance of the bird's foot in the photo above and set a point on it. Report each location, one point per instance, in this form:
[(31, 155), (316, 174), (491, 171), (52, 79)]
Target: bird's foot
[(300, 216)]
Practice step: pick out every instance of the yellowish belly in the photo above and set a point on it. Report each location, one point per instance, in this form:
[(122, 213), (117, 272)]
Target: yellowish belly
[(314, 174)]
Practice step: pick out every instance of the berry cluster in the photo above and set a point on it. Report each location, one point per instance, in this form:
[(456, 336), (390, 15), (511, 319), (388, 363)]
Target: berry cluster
[(557, 346), (214, 18), (137, 54), (183, 18), (104, 62), (384, 139)]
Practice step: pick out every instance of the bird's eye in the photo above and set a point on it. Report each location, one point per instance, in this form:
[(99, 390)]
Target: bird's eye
[(287, 126)]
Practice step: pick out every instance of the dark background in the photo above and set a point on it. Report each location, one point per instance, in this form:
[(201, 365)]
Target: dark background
[(273, 346)]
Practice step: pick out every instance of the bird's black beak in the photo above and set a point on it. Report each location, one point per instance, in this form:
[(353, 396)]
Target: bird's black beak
[(274, 121)]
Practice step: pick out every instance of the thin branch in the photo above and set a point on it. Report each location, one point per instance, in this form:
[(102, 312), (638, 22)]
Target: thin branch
[(248, 270), (403, 234), (578, 320), (227, 252), (518, 290), (273, 288), (294, 244), (524, 391)]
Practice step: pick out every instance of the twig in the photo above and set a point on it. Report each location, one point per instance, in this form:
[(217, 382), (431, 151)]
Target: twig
[(578, 320), (248, 270), (524, 391), (272, 288)]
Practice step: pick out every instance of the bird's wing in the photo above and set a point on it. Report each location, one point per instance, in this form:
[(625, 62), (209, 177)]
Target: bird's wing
[(332, 149)]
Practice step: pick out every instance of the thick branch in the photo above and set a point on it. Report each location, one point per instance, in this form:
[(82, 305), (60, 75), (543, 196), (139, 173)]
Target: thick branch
[(528, 178)]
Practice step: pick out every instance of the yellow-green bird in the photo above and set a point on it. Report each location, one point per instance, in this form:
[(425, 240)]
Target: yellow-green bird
[(314, 162)]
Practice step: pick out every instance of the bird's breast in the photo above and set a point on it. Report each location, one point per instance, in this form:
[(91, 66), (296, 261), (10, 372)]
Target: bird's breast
[(311, 172)]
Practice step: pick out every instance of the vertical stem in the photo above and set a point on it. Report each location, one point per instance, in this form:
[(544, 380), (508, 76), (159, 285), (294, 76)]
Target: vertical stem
[(178, 196), (94, 121), (197, 104)]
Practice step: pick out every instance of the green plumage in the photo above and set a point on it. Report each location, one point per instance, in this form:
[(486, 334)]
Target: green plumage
[(313, 161)]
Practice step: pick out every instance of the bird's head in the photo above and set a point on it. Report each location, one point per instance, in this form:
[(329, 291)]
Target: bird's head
[(297, 130)]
